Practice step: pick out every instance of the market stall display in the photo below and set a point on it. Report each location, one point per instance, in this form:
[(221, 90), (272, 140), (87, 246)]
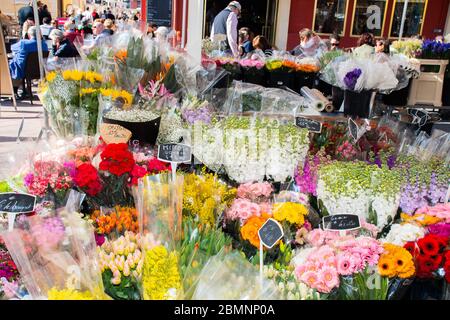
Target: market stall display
[(180, 210)]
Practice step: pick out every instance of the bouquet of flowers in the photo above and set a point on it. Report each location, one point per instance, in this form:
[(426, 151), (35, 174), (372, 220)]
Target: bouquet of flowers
[(69, 95), (121, 264), (410, 47), (341, 263), (205, 197), (251, 150), (358, 188), (57, 256), (432, 49)]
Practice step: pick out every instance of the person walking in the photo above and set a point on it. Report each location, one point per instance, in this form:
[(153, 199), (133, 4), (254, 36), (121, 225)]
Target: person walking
[(44, 13), (225, 24)]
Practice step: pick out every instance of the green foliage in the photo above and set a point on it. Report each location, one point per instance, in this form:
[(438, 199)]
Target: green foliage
[(127, 289)]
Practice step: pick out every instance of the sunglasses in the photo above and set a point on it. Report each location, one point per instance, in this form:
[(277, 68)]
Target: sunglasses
[(335, 44)]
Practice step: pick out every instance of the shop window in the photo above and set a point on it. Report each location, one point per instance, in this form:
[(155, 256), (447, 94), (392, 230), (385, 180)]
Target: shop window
[(415, 15), (368, 16), (330, 16)]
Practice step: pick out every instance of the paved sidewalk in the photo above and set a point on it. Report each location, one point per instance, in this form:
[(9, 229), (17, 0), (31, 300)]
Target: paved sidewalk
[(10, 121)]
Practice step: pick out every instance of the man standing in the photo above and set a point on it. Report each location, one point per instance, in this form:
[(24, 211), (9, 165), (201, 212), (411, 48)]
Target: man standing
[(46, 28), (26, 12), (225, 24)]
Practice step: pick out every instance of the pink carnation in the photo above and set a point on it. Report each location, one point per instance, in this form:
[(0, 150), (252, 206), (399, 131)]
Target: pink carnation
[(243, 209)]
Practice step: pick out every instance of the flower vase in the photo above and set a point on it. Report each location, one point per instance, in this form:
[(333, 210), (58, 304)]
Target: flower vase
[(146, 132), (278, 78), (398, 97), (358, 104), (303, 79), (252, 75)]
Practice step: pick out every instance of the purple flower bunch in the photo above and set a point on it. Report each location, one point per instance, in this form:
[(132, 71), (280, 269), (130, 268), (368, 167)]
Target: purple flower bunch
[(416, 195), (351, 78), (307, 179), (48, 232), (432, 49), (202, 114)]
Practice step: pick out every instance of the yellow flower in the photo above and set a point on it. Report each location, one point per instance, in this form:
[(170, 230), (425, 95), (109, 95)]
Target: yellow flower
[(74, 75), (50, 76), (422, 219), (84, 91), (386, 266), (69, 294), (273, 65), (291, 212), (93, 77), (160, 273)]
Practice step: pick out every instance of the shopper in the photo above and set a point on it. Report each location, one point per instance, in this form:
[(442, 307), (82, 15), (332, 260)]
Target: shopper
[(382, 46), (335, 41), (27, 25), (152, 29), (225, 24), (46, 27), (62, 47), (245, 41), (310, 44), (27, 12), (94, 14), (87, 15), (69, 31), (365, 47), (44, 13), (20, 52), (261, 43)]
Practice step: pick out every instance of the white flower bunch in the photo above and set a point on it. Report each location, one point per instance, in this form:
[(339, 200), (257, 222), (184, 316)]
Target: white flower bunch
[(403, 233)]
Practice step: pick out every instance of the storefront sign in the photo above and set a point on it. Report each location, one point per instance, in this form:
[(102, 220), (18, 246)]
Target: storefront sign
[(311, 125), (341, 222), (17, 202), (159, 12), (270, 233)]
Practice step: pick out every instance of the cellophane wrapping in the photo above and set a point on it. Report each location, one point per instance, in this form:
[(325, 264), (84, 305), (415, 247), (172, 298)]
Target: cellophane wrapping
[(231, 277), (57, 256)]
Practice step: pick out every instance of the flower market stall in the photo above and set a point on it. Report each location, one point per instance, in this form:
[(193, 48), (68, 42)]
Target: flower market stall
[(162, 181)]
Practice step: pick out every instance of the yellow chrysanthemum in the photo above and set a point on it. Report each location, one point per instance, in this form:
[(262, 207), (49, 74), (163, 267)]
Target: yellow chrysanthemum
[(292, 212)]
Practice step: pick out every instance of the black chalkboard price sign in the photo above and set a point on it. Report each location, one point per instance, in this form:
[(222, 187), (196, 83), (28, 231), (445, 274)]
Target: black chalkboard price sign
[(17, 202), (311, 125), (270, 232), (341, 222), (174, 152), (159, 12)]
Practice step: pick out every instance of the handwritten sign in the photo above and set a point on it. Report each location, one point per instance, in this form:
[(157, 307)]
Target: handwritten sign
[(174, 152), (341, 222), (311, 125), (270, 233), (113, 133), (17, 202)]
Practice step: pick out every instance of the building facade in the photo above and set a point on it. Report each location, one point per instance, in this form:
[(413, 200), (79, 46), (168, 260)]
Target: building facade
[(281, 20)]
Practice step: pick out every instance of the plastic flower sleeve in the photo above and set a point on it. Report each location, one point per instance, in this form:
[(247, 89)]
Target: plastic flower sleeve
[(159, 201), (231, 277), (56, 257)]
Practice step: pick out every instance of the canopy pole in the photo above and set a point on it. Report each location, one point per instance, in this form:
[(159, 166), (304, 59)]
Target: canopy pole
[(402, 24), (194, 36), (46, 127)]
